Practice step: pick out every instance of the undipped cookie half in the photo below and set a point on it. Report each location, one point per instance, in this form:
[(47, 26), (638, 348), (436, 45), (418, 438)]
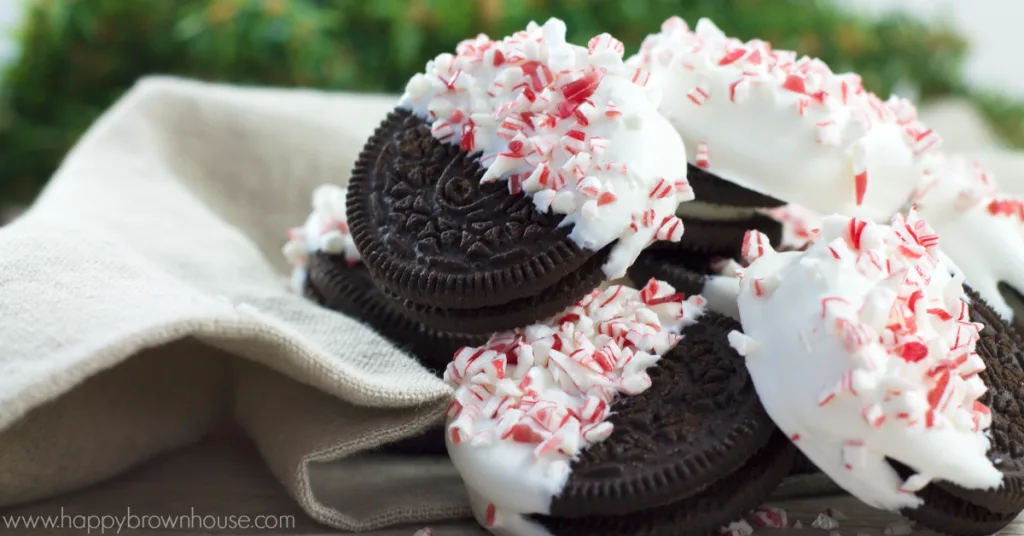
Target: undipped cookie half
[(434, 236), (703, 514), (350, 290), (946, 513)]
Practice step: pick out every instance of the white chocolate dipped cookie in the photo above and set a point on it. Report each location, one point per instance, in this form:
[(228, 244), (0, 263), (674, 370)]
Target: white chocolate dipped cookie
[(784, 126), (862, 351), (573, 127), (982, 229), (581, 425)]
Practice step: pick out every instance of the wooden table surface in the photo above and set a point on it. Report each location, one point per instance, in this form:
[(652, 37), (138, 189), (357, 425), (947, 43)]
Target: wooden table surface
[(226, 477)]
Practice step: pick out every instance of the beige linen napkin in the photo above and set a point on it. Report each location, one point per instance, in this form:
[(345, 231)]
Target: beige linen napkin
[(143, 299)]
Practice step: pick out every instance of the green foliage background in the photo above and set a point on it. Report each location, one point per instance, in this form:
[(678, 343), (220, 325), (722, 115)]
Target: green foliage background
[(78, 56)]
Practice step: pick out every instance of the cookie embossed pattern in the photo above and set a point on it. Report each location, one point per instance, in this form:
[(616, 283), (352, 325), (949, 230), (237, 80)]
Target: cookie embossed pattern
[(879, 356), (531, 399), (782, 125), (572, 127)]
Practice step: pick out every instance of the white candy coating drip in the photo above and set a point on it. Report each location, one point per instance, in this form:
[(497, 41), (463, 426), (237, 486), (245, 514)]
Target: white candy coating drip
[(326, 229), (530, 400), (572, 127), (784, 126), (861, 349), (981, 227)]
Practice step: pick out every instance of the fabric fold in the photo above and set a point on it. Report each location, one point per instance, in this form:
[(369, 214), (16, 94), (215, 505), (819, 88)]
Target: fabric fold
[(161, 234)]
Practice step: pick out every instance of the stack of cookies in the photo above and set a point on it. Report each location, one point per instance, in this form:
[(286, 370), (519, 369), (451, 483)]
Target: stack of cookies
[(583, 246)]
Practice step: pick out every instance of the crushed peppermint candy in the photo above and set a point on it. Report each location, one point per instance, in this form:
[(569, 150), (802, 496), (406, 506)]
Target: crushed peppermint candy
[(326, 229), (737, 528), (562, 123), (552, 385), (911, 343), (424, 532), (954, 184), (770, 517), (710, 79), (800, 226), (825, 522)]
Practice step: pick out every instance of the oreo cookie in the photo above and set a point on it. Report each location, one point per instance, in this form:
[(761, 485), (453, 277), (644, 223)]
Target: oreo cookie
[(691, 272), (802, 465), (601, 431), (1001, 347), (686, 271), (725, 238), (703, 514), (710, 188), (948, 514), (439, 241), (519, 312), (699, 421), (335, 285)]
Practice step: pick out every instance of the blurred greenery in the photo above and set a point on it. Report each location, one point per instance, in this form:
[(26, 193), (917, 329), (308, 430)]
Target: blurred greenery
[(78, 56)]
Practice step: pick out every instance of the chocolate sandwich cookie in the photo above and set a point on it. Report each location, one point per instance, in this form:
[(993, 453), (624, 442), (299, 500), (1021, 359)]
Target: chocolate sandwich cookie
[(931, 428), (329, 271), (437, 240), (684, 270), (502, 189), (520, 312), (705, 245), (350, 290), (1002, 349), (804, 466), (704, 514), (725, 237), (598, 444), (755, 116), (710, 188), (946, 513), (699, 421), (691, 272)]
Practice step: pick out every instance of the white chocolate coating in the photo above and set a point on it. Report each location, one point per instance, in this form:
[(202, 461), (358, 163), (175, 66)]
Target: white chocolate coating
[(784, 126), (981, 228), (326, 229), (532, 399), (861, 349), (572, 127)]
